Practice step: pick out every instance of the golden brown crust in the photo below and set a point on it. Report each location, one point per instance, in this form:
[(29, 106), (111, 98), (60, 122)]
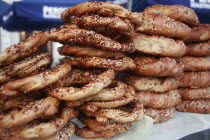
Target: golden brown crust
[(125, 63), (195, 79), (159, 100), (194, 106), (198, 49), (177, 12), (150, 66), (158, 45), (195, 63), (196, 93), (160, 115), (143, 83)]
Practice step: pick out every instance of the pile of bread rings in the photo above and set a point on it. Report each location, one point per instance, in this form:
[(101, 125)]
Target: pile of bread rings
[(119, 66)]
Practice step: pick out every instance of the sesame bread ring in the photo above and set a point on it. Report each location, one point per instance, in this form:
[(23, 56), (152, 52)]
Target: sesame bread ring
[(160, 115), (158, 45), (195, 63), (194, 106), (198, 49), (196, 93), (27, 114), (34, 82), (23, 49), (183, 14), (156, 84), (86, 37), (159, 100), (25, 67), (128, 113), (195, 79), (151, 66), (95, 86), (78, 50), (125, 63)]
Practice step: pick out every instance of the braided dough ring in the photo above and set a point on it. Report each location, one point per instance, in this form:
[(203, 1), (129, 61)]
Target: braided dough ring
[(24, 67), (128, 113), (77, 50), (160, 115), (23, 49), (91, 38), (198, 49), (194, 106), (195, 79), (27, 114), (151, 66), (183, 14), (72, 94), (196, 93), (34, 82), (125, 63), (156, 84), (159, 100)]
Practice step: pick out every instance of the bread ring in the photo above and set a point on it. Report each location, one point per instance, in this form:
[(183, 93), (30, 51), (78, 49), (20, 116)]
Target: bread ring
[(151, 66), (194, 106), (195, 79), (87, 107), (23, 49), (24, 67), (160, 115), (196, 93), (49, 128), (156, 84), (195, 63), (128, 97), (77, 50), (125, 63), (158, 45), (26, 114), (159, 100), (198, 49), (183, 14), (127, 113), (91, 38), (72, 94), (34, 82), (91, 7)]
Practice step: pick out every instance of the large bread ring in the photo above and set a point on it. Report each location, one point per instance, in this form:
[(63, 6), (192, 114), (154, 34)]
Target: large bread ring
[(194, 106), (198, 49), (77, 50), (158, 45), (160, 115), (151, 66), (156, 84), (91, 38), (195, 79), (72, 94), (195, 93), (159, 100), (34, 82), (183, 14), (125, 63), (23, 49)]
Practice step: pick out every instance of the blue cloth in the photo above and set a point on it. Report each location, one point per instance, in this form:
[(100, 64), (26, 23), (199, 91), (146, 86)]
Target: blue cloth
[(4, 8)]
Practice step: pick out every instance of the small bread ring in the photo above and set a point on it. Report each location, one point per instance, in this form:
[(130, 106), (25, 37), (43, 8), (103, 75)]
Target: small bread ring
[(156, 84), (198, 49), (194, 106), (90, 38), (194, 93), (159, 100), (125, 63), (23, 49), (77, 50), (183, 14), (34, 82), (72, 94), (160, 115)]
